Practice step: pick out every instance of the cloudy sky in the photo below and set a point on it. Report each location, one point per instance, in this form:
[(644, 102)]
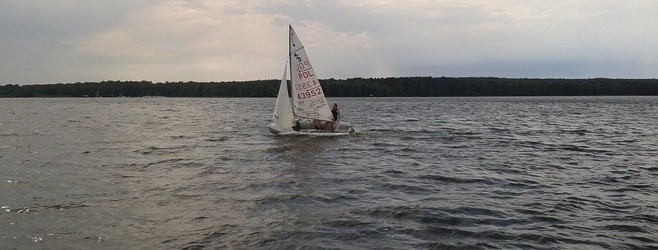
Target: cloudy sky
[(44, 41)]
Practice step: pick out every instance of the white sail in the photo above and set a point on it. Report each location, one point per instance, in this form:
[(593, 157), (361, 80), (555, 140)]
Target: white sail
[(283, 119), (307, 94)]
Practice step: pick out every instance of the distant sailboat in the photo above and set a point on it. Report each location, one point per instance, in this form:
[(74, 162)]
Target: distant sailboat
[(310, 112)]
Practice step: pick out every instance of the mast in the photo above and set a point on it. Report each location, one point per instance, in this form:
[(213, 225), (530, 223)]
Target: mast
[(290, 63), (289, 51)]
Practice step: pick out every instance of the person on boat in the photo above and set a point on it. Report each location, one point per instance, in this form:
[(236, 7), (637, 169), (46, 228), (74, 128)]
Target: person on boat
[(336, 113)]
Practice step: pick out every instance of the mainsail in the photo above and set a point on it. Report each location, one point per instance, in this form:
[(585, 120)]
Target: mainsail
[(307, 95)]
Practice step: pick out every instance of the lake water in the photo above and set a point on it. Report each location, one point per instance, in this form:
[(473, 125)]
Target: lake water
[(510, 172)]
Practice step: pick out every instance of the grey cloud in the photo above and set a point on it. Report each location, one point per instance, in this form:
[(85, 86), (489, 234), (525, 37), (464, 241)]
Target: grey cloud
[(91, 40)]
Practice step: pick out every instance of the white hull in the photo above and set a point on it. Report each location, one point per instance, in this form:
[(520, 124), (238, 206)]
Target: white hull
[(313, 133), (322, 126), (307, 126)]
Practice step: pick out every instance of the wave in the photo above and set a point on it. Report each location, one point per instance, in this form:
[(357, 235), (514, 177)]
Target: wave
[(458, 180)]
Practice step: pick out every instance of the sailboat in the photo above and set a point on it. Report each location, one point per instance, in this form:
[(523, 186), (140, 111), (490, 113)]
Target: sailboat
[(309, 112)]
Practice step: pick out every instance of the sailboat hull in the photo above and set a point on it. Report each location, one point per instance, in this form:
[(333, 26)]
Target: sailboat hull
[(324, 126), (276, 129), (307, 126)]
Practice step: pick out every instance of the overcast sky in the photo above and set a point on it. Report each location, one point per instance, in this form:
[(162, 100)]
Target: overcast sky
[(66, 41)]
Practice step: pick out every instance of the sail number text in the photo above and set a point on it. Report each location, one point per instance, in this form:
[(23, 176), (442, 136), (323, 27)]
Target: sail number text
[(309, 93), (303, 65), (303, 69), (306, 85), (309, 88)]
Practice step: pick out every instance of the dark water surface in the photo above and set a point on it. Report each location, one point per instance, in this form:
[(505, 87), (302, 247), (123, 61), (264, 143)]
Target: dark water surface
[(531, 172)]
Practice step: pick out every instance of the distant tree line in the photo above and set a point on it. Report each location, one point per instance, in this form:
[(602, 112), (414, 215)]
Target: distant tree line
[(353, 87)]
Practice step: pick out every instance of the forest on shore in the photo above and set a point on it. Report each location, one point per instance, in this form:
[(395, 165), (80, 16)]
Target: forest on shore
[(352, 87)]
